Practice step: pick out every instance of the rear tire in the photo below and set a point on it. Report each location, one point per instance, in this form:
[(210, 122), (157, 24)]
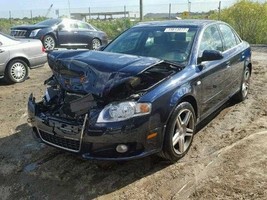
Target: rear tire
[(243, 92), (16, 72), (96, 43), (179, 132)]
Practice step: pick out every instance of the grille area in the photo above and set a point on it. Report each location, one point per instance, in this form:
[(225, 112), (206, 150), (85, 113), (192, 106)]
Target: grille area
[(68, 144), (19, 33)]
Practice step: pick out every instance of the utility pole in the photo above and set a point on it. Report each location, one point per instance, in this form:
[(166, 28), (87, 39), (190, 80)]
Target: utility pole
[(170, 10), (189, 6), (69, 8), (10, 17), (141, 10), (219, 10), (31, 17), (48, 10), (89, 9)]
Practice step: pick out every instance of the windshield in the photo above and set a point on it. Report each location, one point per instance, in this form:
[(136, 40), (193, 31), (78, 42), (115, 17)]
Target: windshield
[(49, 22), (168, 43)]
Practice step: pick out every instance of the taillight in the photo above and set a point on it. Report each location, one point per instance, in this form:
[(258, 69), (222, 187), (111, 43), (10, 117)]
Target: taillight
[(43, 49)]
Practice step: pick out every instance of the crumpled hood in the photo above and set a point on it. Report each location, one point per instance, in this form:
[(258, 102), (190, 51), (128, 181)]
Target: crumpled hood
[(95, 72)]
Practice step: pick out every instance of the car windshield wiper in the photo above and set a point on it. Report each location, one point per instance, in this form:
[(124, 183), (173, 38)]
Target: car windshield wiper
[(175, 63)]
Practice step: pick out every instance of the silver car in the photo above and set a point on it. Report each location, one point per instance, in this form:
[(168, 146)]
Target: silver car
[(17, 56)]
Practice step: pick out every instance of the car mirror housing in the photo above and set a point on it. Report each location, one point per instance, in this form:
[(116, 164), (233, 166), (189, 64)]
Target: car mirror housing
[(210, 55), (101, 48)]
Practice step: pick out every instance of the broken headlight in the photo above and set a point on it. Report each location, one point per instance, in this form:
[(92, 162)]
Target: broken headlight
[(124, 110)]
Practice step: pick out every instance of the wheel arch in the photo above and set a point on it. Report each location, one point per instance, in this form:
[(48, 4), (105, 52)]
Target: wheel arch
[(249, 65), (54, 35), (186, 98), (192, 100), (97, 38), (20, 58)]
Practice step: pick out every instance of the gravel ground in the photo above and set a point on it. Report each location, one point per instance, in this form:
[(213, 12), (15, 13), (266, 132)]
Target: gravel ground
[(227, 160)]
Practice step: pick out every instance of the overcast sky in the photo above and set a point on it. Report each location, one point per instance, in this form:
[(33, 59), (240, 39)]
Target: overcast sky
[(44, 4), (19, 8)]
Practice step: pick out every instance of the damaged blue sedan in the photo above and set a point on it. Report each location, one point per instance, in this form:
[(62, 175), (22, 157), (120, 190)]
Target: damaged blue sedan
[(142, 94)]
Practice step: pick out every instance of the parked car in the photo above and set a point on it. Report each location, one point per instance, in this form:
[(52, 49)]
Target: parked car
[(146, 91), (17, 56), (66, 33)]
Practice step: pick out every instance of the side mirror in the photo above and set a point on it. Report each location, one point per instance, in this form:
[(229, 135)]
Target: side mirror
[(101, 48), (210, 55)]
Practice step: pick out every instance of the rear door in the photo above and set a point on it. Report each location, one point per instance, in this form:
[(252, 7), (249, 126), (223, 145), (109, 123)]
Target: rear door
[(235, 58), (85, 34), (66, 33)]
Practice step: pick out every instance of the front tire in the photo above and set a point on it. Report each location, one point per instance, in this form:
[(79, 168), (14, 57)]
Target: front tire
[(49, 42), (16, 71), (179, 132)]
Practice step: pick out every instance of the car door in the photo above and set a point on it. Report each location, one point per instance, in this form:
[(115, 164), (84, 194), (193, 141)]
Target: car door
[(66, 33), (85, 33), (214, 75), (235, 56)]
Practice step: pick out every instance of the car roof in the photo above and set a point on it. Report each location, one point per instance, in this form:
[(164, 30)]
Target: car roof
[(184, 22)]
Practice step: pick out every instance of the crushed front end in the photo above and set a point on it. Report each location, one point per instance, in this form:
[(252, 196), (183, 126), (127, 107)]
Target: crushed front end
[(97, 111)]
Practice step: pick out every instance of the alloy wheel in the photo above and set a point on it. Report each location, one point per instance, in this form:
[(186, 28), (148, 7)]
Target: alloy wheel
[(49, 42), (183, 131), (245, 84)]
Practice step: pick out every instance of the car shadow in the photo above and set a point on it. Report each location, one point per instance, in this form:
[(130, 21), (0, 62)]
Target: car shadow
[(51, 169), (4, 83), (213, 115)]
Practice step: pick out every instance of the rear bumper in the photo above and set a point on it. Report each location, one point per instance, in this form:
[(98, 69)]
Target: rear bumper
[(94, 141)]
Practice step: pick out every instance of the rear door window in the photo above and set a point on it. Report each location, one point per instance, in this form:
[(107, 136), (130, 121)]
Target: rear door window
[(82, 25), (229, 37)]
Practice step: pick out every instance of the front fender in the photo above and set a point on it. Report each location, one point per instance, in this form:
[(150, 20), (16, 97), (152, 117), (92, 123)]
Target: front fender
[(182, 91)]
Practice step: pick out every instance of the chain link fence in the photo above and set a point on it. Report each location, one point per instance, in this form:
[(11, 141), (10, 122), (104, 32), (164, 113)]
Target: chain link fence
[(161, 10)]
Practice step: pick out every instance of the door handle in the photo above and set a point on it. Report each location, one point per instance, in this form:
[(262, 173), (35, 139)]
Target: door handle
[(1, 51)]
